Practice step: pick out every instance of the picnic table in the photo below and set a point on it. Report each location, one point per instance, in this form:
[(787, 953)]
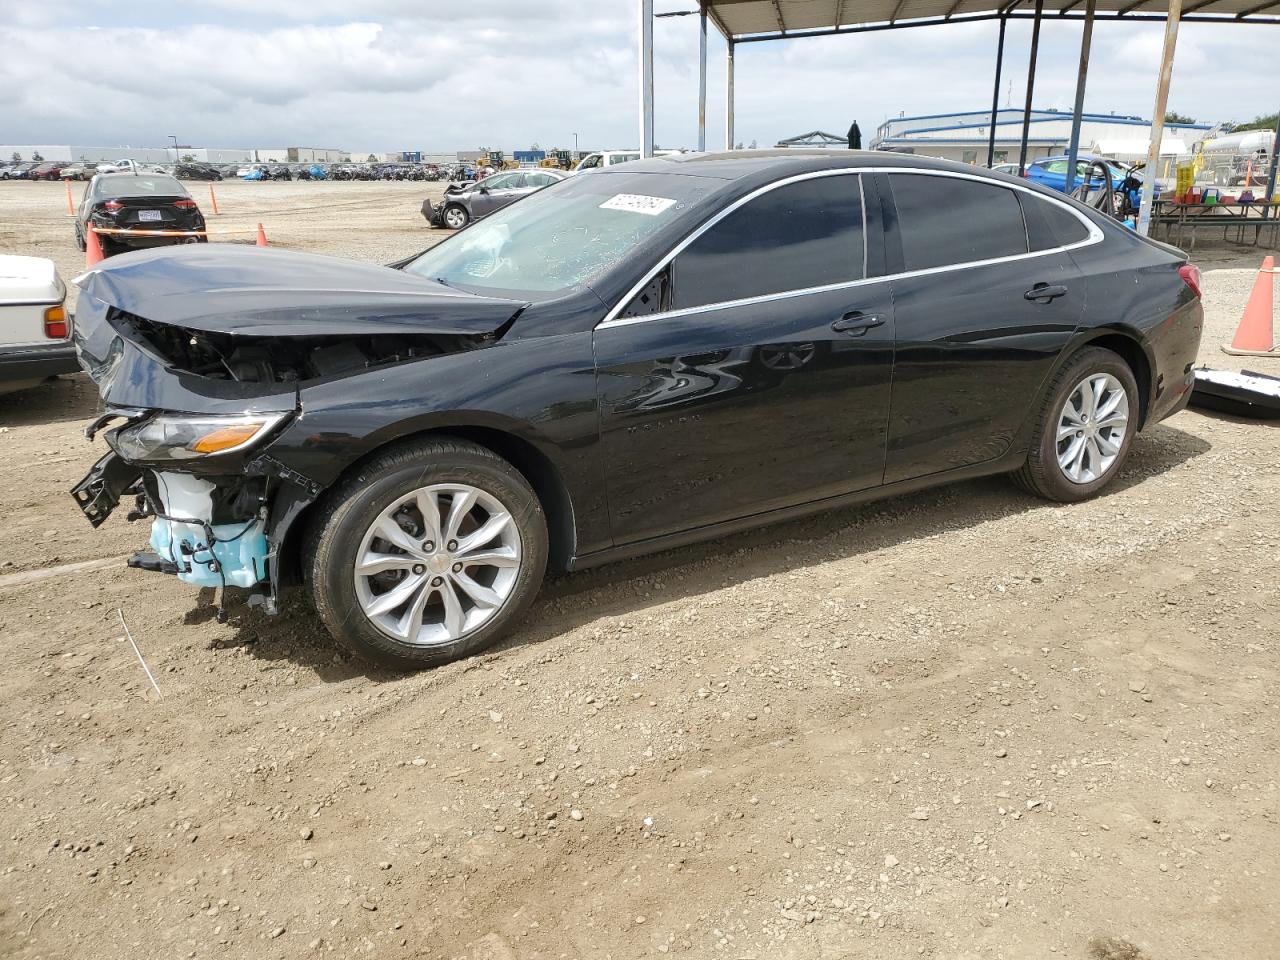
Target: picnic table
[(1175, 219)]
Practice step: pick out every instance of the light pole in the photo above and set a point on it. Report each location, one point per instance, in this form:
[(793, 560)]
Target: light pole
[(175, 147), (575, 146)]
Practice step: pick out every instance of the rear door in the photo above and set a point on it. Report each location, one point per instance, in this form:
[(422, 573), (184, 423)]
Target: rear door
[(985, 299), (752, 372)]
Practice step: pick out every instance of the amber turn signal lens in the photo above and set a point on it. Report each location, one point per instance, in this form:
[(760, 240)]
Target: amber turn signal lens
[(225, 438), (55, 323)]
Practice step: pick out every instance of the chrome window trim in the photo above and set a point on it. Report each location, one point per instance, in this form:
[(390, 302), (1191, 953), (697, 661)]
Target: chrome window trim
[(611, 319)]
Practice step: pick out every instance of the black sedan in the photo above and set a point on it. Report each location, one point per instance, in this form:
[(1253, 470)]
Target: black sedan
[(464, 202), (664, 352), (151, 210)]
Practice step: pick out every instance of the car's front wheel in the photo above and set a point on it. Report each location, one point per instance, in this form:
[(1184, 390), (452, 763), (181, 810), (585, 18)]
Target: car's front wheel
[(1086, 424), (456, 216), (428, 553)]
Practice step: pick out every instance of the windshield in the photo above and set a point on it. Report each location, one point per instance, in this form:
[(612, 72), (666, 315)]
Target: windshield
[(563, 236), (141, 187)]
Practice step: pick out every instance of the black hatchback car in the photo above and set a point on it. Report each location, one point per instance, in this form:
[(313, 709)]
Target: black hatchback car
[(148, 210), (649, 355)]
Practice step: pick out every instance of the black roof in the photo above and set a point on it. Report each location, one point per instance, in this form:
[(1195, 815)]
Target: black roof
[(737, 164)]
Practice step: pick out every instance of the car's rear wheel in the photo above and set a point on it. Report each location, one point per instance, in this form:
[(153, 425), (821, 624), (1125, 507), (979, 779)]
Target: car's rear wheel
[(1085, 427), (429, 553), (456, 216)]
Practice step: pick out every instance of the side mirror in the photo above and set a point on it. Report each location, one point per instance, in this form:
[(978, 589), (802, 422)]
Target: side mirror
[(481, 188)]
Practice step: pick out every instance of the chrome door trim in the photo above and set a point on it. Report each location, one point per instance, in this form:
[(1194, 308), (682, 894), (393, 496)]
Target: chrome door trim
[(611, 319)]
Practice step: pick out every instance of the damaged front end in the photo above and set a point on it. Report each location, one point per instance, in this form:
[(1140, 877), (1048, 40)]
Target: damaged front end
[(202, 360)]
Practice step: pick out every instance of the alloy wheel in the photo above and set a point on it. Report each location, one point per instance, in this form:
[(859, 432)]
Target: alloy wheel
[(437, 564), (1092, 428), (455, 218)]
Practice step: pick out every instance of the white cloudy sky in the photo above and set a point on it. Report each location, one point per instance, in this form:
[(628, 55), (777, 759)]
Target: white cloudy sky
[(406, 74)]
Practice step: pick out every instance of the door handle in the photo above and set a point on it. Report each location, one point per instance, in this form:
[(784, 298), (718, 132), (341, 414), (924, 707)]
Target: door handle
[(1044, 293), (856, 323)]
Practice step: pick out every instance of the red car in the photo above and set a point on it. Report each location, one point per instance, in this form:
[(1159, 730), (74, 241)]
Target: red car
[(46, 171)]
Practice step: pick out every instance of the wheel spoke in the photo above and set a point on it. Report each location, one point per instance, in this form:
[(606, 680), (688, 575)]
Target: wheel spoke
[(382, 562), (429, 507), (1114, 420), (396, 597), (454, 618), (478, 592), (497, 557), (392, 532), (1110, 405), (1095, 457), (458, 509), (1096, 389), (1107, 446), (1066, 430), (411, 624), (496, 523), (1069, 457)]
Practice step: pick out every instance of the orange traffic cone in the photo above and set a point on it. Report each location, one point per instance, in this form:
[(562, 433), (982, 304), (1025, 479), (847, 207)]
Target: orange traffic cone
[(1253, 336), (262, 238), (213, 199), (71, 210), (92, 248)]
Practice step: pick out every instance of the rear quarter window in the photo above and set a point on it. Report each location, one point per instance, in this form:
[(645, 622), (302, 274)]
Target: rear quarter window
[(1050, 224)]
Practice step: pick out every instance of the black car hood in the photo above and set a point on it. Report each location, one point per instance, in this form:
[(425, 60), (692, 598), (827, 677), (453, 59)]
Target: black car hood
[(251, 291)]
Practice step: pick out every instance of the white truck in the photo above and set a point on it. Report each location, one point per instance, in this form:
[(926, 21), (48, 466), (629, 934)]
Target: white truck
[(35, 328)]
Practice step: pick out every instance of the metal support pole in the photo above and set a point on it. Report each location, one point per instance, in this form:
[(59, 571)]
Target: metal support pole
[(1031, 85), (1271, 177), (702, 75), (995, 96), (1157, 117), (1082, 76), (646, 78), (728, 104)]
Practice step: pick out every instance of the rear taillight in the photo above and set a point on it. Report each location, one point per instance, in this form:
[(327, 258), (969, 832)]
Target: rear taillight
[(1190, 274), (185, 204), (113, 205), (55, 323)]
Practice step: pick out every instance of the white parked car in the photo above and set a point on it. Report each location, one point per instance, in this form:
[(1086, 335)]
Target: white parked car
[(35, 328), (609, 158)]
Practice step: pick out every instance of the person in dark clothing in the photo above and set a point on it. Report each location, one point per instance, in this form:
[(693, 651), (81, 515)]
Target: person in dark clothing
[(855, 137)]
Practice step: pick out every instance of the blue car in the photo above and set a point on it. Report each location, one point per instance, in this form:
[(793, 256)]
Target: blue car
[(1052, 173)]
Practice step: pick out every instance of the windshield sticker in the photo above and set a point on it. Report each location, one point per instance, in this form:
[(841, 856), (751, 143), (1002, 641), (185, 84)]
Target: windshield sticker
[(637, 203)]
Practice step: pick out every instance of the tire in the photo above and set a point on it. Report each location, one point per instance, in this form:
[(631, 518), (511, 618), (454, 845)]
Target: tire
[(341, 533), (1043, 474), (455, 216), (80, 240)]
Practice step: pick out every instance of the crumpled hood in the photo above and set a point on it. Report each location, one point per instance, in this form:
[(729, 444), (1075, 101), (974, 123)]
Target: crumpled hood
[(268, 292)]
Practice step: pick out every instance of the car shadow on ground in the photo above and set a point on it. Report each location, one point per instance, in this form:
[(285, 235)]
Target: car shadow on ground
[(568, 601), (68, 397)]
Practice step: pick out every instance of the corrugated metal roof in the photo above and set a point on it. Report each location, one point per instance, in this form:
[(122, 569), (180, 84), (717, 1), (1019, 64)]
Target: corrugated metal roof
[(759, 19)]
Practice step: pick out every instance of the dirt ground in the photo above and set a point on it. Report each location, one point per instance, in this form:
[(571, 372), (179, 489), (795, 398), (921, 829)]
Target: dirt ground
[(961, 724)]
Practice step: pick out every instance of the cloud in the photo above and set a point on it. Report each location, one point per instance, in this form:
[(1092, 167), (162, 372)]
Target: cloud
[(401, 74)]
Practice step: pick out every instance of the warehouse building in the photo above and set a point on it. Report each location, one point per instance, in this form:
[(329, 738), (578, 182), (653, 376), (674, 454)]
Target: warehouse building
[(964, 136)]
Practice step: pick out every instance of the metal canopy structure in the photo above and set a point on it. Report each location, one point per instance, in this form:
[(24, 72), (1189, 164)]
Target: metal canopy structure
[(747, 21), (755, 21)]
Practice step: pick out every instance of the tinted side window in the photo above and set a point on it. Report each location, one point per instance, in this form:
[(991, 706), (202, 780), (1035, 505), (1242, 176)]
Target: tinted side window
[(1050, 225), (805, 234), (949, 220)]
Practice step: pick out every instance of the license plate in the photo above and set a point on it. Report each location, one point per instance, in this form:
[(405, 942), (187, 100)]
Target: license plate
[(150, 215)]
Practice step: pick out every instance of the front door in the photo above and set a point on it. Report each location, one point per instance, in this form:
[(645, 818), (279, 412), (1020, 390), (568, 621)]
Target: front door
[(753, 371), (495, 192)]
